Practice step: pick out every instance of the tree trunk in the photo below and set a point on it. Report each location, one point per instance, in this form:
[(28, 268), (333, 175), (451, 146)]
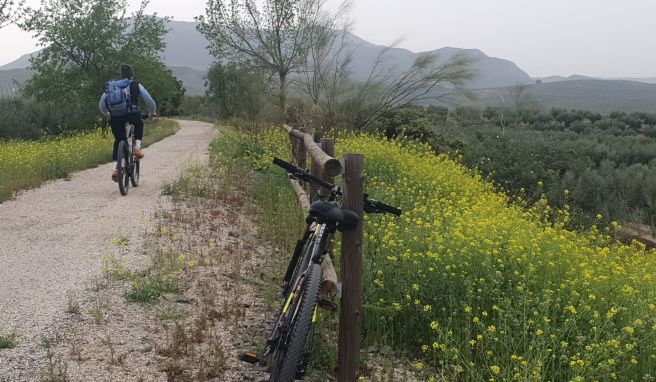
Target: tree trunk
[(283, 96)]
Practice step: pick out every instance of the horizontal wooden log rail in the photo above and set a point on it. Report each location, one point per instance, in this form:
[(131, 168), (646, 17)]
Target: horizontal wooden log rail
[(329, 166)]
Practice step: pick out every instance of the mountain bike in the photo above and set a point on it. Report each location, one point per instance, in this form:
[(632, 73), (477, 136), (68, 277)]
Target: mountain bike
[(128, 163), (290, 345)]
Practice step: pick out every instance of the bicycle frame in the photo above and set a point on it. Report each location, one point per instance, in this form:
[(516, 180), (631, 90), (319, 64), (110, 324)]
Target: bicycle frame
[(317, 236), (291, 342)]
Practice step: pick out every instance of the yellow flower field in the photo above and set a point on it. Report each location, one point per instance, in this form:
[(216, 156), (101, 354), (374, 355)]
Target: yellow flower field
[(480, 288), (27, 164)]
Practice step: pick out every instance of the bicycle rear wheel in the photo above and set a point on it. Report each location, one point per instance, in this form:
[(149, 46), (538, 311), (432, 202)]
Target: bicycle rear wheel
[(123, 168), (290, 351)]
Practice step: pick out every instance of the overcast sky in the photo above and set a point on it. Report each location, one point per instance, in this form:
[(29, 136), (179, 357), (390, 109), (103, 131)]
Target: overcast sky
[(604, 38)]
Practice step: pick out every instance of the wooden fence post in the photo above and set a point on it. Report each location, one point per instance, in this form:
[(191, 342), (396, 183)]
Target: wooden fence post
[(301, 154), (351, 272)]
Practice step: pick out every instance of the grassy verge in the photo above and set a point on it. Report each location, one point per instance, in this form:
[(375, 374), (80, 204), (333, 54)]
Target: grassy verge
[(27, 164), (196, 301), (280, 221)]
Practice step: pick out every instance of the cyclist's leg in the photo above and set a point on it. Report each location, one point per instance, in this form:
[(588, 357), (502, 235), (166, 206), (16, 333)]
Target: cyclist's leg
[(118, 129), (138, 124), (135, 120)]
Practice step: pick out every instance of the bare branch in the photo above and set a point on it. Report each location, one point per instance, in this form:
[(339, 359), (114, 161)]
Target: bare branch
[(9, 10)]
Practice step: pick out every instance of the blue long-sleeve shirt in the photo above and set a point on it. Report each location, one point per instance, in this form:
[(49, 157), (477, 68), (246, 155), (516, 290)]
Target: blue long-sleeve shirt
[(150, 102)]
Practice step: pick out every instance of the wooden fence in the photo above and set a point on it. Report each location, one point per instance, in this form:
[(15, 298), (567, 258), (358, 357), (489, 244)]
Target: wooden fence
[(326, 167)]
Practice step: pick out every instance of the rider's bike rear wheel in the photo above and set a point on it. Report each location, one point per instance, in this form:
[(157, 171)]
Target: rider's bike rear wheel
[(123, 168), (290, 353)]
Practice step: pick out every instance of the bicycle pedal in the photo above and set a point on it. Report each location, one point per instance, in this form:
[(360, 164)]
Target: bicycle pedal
[(328, 305), (249, 357)]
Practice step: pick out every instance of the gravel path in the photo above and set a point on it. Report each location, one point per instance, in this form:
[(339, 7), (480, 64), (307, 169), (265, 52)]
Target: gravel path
[(52, 240)]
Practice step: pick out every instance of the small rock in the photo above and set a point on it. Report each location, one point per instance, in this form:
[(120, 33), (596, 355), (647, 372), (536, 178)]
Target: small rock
[(214, 315), (233, 233)]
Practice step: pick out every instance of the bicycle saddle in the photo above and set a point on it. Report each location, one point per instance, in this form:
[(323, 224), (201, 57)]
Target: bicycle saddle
[(332, 213)]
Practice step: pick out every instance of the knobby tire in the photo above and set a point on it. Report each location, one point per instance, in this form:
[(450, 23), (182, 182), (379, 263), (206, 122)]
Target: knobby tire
[(134, 178), (123, 168), (286, 361)]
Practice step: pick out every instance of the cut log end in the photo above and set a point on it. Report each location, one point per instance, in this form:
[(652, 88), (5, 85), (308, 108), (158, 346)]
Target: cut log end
[(332, 168)]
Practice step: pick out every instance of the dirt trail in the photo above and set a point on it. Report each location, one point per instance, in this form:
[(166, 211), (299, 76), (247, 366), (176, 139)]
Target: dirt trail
[(52, 240)]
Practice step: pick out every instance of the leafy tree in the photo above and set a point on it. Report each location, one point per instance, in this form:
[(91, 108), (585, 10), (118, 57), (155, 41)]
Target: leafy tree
[(164, 87), (270, 35), (237, 92), (411, 122), (84, 43)]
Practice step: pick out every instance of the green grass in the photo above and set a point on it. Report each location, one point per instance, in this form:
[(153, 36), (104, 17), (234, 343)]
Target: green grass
[(28, 164), (280, 221), (149, 287), (8, 341)]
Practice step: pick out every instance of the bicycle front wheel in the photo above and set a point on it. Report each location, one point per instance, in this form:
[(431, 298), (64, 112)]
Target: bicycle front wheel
[(123, 168), (290, 353), (134, 178)]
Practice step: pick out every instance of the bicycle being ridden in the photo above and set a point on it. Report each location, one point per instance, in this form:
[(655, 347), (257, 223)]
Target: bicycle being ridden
[(120, 103), (127, 160), (290, 345)]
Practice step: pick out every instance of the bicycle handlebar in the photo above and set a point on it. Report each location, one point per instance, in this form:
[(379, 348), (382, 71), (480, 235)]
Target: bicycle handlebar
[(380, 206), (370, 205), (298, 173)]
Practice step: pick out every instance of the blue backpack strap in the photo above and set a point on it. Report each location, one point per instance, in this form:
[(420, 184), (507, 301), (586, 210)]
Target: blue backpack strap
[(134, 93)]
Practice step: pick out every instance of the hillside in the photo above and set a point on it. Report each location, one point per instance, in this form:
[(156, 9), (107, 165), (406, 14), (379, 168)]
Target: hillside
[(187, 48), (596, 95), (10, 81), (187, 56)]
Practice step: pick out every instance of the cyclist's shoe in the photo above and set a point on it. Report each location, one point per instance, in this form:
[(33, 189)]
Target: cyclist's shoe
[(249, 357), (137, 153), (115, 175)]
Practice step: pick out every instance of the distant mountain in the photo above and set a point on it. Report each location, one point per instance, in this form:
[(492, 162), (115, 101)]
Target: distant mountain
[(10, 81), (193, 80), (596, 95), (573, 77), (186, 47), (550, 79), (187, 56)]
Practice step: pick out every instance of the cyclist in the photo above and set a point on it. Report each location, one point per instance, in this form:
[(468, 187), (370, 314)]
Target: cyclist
[(120, 103)]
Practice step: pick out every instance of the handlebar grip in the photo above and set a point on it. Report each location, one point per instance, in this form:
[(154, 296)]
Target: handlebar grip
[(390, 209), (286, 165), (376, 206)]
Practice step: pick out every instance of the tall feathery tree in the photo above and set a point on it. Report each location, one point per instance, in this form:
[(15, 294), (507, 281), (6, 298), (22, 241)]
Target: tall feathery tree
[(268, 35)]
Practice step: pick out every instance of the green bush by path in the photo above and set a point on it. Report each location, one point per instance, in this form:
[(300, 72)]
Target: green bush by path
[(482, 289), (27, 164)]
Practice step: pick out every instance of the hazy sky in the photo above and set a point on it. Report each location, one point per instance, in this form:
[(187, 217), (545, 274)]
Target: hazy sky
[(605, 38)]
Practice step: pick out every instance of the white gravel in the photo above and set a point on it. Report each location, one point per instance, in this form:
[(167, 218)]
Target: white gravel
[(52, 240)]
